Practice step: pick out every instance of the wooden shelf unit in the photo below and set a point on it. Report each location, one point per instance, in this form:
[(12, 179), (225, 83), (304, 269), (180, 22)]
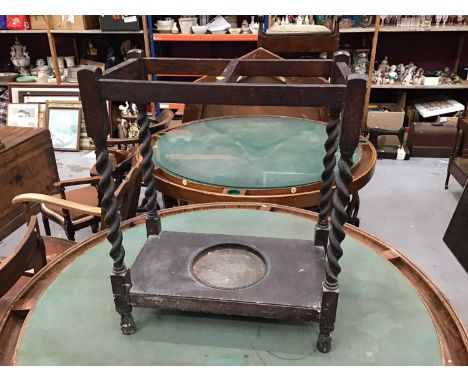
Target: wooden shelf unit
[(152, 38)]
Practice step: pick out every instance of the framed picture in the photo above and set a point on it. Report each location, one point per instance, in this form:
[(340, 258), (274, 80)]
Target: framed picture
[(63, 119), (41, 94), (23, 114)]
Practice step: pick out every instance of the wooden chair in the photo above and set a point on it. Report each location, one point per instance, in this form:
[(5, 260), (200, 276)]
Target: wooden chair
[(31, 254), (72, 219), (458, 164)]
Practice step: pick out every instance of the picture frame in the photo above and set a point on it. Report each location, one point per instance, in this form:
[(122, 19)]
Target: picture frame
[(64, 121), (24, 93), (23, 115)]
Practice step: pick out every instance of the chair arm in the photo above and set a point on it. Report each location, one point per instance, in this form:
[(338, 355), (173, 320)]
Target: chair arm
[(66, 204), (122, 141), (78, 181)]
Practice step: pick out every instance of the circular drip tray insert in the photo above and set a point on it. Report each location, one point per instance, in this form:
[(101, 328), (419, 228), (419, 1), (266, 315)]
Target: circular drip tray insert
[(229, 266)]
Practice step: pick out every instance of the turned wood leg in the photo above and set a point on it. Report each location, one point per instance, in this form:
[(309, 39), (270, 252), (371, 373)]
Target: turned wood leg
[(447, 179), (45, 221), (327, 319), (120, 286), (169, 201), (353, 210), (70, 231)]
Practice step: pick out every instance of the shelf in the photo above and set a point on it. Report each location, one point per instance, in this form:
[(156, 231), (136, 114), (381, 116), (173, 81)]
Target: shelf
[(39, 84), (8, 31), (463, 85), (357, 30), (69, 31), (204, 37), (448, 28), (94, 31)]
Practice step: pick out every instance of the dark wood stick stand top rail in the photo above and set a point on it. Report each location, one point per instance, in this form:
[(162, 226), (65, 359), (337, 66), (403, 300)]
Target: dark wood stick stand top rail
[(343, 94)]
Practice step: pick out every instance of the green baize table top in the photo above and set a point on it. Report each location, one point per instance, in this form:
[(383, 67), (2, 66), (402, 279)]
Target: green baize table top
[(250, 152), (380, 320)]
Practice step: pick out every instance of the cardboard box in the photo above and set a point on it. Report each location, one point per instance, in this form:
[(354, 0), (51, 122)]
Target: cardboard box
[(390, 120), (71, 22), (38, 22), (120, 23)]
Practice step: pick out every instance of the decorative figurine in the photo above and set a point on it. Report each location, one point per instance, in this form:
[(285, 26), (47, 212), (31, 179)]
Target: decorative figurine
[(299, 20), (409, 74), (287, 20), (254, 26), (306, 20), (174, 29), (245, 27), (123, 128), (444, 20), (277, 21), (384, 67), (438, 19), (392, 76), (20, 58), (401, 71), (460, 20), (418, 77)]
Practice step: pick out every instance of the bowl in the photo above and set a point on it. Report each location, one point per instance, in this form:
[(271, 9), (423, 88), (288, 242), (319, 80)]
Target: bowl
[(8, 76), (197, 29), (219, 32), (164, 24), (234, 30)]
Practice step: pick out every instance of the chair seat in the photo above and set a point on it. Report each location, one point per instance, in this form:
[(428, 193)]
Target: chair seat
[(84, 195), (55, 246)]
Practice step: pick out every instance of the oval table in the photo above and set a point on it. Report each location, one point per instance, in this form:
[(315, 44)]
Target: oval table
[(268, 159), (389, 312)]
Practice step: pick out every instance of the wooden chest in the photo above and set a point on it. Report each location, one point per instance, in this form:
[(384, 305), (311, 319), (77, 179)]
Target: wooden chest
[(27, 164)]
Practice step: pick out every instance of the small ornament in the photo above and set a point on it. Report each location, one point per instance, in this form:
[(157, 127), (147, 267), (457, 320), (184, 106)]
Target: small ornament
[(392, 75), (384, 67), (245, 27), (174, 29)]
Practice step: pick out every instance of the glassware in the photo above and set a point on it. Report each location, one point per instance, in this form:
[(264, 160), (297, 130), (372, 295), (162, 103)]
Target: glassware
[(398, 21), (438, 18), (427, 21), (444, 19)]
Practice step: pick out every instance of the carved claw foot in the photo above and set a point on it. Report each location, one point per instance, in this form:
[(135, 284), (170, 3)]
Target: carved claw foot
[(324, 343), (127, 324)]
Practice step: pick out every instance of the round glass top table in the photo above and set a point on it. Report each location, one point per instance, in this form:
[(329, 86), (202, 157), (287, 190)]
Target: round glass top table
[(249, 158), (389, 313)]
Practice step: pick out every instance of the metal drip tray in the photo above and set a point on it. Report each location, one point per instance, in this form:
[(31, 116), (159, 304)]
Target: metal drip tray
[(229, 266), (227, 274)]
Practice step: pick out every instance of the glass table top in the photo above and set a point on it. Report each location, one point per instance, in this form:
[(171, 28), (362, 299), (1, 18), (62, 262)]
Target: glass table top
[(252, 152)]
